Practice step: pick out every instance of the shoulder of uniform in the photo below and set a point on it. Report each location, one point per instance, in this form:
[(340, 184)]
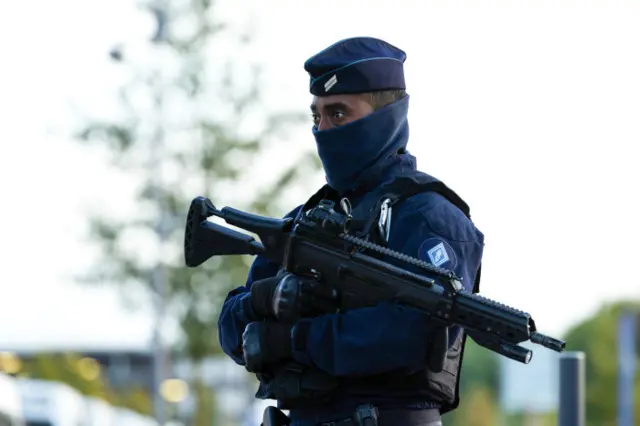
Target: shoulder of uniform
[(442, 217)]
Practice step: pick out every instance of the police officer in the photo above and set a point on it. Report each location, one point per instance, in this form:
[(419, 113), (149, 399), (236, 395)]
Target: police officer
[(378, 357)]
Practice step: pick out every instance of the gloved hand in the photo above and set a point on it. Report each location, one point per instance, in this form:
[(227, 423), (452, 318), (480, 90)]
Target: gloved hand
[(265, 343), (289, 297), (262, 296)]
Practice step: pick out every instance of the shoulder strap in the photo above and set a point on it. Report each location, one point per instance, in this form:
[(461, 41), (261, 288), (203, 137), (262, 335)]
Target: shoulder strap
[(324, 193), (405, 187), (409, 188), (398, 190), (367, 213)]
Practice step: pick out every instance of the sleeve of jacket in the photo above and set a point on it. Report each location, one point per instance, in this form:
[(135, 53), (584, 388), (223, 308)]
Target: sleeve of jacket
[(391, 337), (236, 310)]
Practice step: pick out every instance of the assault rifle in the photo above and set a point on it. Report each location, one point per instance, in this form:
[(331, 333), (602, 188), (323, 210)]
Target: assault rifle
[(319, 242)]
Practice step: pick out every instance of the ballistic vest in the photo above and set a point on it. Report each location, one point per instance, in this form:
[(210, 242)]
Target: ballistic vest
[(295, 386)]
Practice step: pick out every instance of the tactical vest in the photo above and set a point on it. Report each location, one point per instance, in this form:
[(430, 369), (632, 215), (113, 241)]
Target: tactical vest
[(294, 385)]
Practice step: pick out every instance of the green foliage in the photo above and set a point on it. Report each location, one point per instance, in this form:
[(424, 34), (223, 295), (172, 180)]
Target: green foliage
[(84, 375), (205, 403), (530, 419), (480, 369), (480, 408), (206, 110), (597, 337), (68, 368), (478, 388), (136, 399)]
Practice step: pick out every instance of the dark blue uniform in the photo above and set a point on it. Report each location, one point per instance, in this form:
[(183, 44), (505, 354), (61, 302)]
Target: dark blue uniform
[(382, 339), (387, 340)]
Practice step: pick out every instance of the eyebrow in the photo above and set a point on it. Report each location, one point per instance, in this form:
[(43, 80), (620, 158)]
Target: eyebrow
[(330, 106)]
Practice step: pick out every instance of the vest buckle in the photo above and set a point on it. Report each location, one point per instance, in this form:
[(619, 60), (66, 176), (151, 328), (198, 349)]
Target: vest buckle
[(384, 222)]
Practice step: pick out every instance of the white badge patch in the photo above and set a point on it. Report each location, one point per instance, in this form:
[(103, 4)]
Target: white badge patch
[(438, 255), (330, 83)]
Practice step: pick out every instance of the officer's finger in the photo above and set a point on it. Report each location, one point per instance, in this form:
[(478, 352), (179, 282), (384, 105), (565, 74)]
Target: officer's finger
[(323, 290)]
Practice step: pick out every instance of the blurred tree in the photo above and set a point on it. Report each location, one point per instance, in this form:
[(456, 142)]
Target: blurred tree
[(84, 375), (205, 403), (192, 122), (136, 398), (479, 383), (478, 407), (481, 409), (70, 369), (597, 337), (480, 369), (530, 419)]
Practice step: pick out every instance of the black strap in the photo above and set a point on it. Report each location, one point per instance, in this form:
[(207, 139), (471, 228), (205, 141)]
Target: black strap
[(295, 385), (397, 190), (406, 187), (391, 417), (324, 193)]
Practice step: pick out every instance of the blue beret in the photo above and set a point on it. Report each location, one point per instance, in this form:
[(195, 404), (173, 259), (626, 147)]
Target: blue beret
[(356, 65)]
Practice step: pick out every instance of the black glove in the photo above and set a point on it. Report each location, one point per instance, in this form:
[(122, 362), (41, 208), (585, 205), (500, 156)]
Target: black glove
[(295, 297), (265, 343), (262, 296), (292, 297)]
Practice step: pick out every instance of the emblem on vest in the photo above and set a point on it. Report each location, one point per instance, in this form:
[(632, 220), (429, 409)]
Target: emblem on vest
[(438, 255), (437, 252)]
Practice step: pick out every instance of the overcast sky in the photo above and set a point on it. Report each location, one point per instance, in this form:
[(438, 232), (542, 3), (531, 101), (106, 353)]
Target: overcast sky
[(529, 110)]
